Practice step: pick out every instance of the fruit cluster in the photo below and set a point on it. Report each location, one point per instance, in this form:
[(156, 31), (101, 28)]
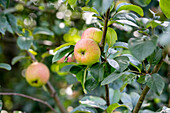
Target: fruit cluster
[(87, 51)]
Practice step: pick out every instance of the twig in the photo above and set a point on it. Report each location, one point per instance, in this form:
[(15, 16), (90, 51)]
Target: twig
[(32, 56), (104, 30), (29, 97), (107, 94), (55, 96), (146, 89)]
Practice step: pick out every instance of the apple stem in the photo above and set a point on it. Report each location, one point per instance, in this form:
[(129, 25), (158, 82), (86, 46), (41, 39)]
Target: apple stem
[(104, 30), (146, 89)]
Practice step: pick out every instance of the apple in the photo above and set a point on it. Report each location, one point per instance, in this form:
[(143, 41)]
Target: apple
[(87, 52), (37, 74), (69, 59), (92, 33)]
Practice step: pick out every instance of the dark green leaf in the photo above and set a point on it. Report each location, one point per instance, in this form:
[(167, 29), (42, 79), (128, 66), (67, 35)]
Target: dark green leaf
[(141, 48), (93, 101), (3, 24), (156, 83), (17, 58), (113, 63), (3, 2), (123, 62), (120, 45), (24, 43), (5, 66), (91, 84), (97, 71), (12, 22), (44, 31), (84, 109), (112, 107), (62, 52), (156, 56), (112, 77), (127, 6)]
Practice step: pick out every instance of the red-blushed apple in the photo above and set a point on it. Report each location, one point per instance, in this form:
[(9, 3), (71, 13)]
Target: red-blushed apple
[(92, 33), (37, 74), (87, 52), (69, 59)]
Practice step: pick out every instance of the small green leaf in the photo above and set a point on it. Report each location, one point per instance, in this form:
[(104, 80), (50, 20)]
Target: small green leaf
[(114, 95), (123, 62), (134, 97), (112, 107), (113, 63), (64, 45), (156, 83), (164, 5), (62, 52), (17, 58), (84, 109), (97, 71), (141, 48), (44, 31), (93, 101), (90, 9), (128, 6), (120, 45), (5, 66), (72, 3), (24, 43), (112, 77), (111, 36)]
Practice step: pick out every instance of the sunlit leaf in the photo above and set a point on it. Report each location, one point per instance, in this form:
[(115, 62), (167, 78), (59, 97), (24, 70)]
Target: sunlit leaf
[(5, 66)]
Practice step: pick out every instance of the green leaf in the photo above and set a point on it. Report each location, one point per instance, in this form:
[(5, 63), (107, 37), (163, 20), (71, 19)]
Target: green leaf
[(123, 62), (5, 66), (24, 43), (134, 62), (97, 71), (0, 105), (126, 99), (164, 39), (12, 22), (90, 84), (113, 63), (141, 48), (153, 24), (64, 45), (17, 58), (62, 52), (112, 107), (72, 3), (84, 109), (81, 75), (164, 5), (102, 5), (112, 77), (3, 24), (114, 96), (120, 45), (142, 3), (156, 56), (156, 83), (134, 97), (90, 9), (93, 101), (111, 36), (127, 6), (44, 31)]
